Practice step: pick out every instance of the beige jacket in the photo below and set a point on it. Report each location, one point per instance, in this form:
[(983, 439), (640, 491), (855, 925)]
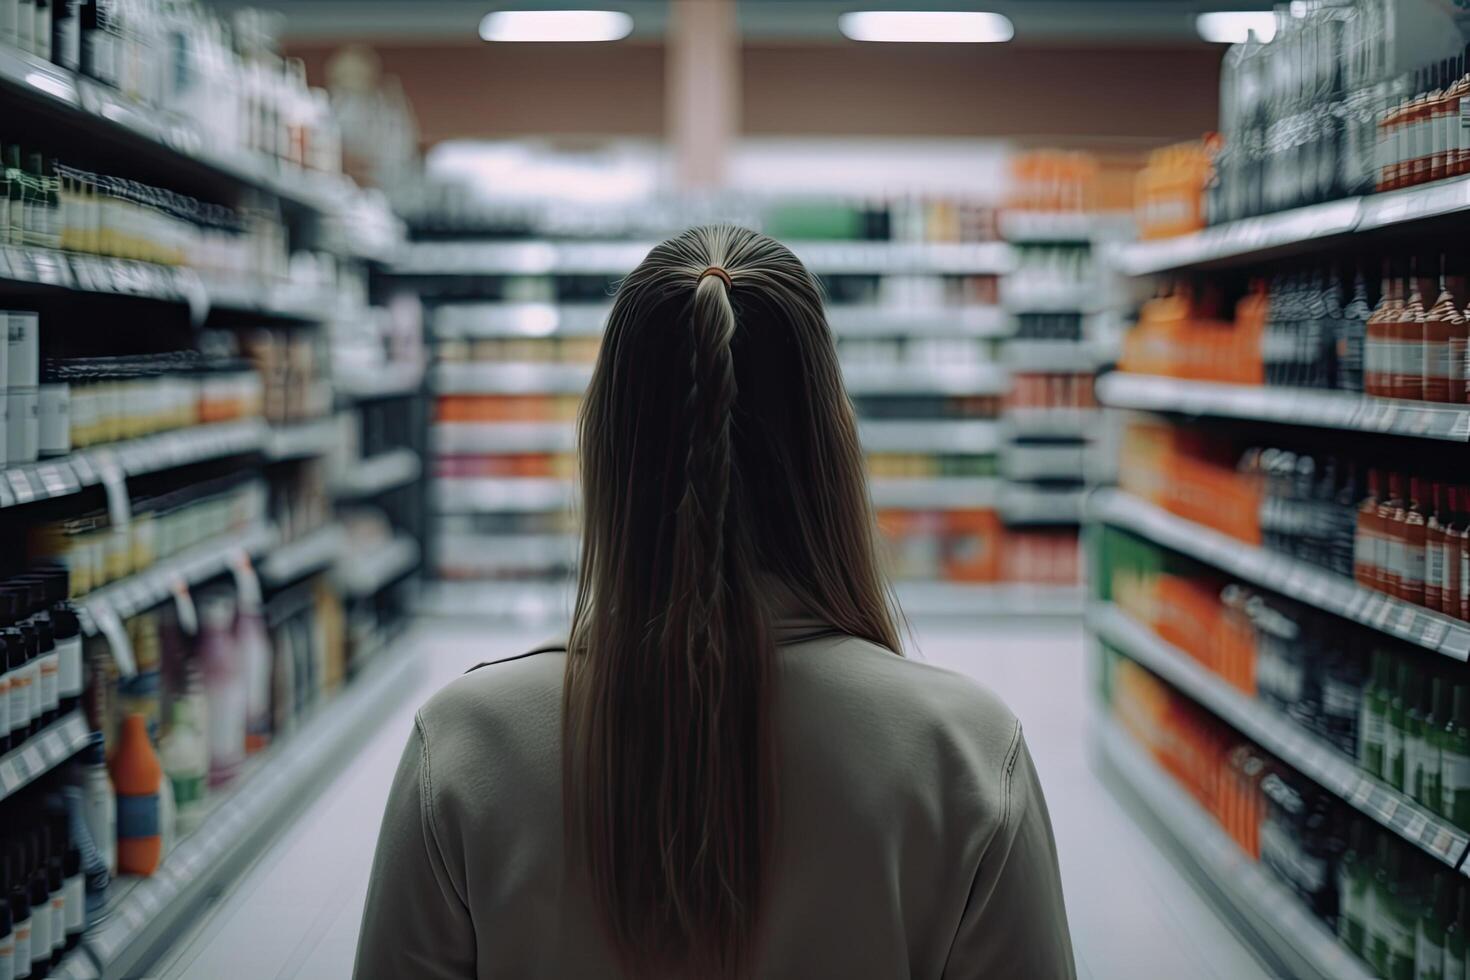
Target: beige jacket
[(913, 838)]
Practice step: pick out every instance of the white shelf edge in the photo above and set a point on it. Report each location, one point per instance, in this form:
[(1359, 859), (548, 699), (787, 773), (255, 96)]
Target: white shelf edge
[(43, 752), (378, 474), (479, 495), (1303, 582), (1287, 406), (1276, 916), (316, 550), (294, 440), (936, 493), (990, 599), (1283, 738), (143, 590), (361, 575)]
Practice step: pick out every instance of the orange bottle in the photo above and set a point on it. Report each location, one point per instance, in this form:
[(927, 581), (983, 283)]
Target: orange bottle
[(1444, 324), (138, 777), (1407, 350), (1413, 530), (1375, 340), (1390, 522), (1436, 569)]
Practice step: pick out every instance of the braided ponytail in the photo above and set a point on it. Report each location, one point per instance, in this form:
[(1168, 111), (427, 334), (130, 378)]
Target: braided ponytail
[(690, 453)]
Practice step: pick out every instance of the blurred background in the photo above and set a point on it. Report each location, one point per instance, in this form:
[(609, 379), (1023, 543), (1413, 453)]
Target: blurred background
[(1155, 315)]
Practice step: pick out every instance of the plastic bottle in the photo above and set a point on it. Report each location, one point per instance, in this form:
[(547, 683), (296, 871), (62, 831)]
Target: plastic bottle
[(224, 685), (69, 675), (137, 775), (99, 802), (185, 754)]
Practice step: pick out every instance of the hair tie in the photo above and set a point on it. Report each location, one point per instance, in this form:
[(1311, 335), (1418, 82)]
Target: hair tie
[(715, 270)]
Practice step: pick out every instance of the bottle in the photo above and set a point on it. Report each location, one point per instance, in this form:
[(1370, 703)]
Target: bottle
[(1416, 708), (255, 657), (23, 430), (39, 894), (53, 409), (1352, 886), (50, 668), (1373, 718), (1440, 324), (185, 757), (1404, 694), (224, 683), (41, 32), (1400, 897), (33, 674), (1366, 539), (136, 774), (1350, 332), (66, 34), (1377, 360), (56, 886), (20, 909), (18, 660), (1454, 761), (69, 676), (75, 889), (1436, 547), (1408, 336), (1429, 933), (1431, 759), (1390, 527), (1450, 593), (99, 802), (1453, 967), (1413, 531)]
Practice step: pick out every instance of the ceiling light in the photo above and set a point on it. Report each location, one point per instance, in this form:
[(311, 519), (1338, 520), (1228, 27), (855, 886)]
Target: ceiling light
[(926, 26), (556, 25), (1233, 26)]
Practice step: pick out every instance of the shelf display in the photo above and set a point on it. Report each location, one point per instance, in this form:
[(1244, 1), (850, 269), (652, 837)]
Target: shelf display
[(1278, 576)]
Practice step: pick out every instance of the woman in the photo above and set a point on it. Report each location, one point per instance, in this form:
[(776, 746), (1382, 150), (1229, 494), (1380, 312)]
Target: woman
[(729, 769)]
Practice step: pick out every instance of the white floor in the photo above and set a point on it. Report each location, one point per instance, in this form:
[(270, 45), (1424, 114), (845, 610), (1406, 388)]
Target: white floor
[(1133, 915)]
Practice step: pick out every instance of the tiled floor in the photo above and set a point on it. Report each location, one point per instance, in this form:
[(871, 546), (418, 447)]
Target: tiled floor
[(295, 914)]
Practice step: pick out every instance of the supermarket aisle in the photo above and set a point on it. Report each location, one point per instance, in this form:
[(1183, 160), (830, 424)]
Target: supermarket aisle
[(1132, 914)]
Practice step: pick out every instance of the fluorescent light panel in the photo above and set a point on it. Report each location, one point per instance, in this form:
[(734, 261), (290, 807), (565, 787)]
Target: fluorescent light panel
[(555, 25), (926, 26), (1232, 26)]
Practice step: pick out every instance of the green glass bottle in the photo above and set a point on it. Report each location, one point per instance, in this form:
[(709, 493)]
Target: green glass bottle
[(15, 195), (1394, 735), (1416, 710), (1429, 933), (1377, 921), (1373, 718), (1401, 915), (1454, 936), (1440, 710), (1352, 888), (1454, 761)]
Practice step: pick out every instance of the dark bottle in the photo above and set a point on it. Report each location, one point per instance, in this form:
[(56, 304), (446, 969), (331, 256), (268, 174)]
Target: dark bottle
[(20, 910), (1351, 332), (69, 672)]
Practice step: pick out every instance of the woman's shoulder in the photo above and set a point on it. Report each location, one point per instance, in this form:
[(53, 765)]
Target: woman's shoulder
[(505, 697), (908, 694)]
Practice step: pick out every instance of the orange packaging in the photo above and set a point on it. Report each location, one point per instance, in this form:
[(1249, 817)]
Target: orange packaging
[(974, 540), (138, 779)]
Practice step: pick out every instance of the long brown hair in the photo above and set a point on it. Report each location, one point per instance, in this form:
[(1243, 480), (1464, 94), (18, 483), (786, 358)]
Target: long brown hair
[(723, 481)]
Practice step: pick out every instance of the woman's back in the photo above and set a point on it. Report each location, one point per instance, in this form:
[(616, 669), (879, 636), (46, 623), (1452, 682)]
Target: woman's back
[(687, 791), (911, 839)]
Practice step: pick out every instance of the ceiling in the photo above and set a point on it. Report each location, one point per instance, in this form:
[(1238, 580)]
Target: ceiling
[(1110, 22)]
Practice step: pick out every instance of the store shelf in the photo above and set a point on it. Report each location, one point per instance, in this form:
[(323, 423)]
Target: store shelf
[(490, 554), (535, 602), (145, 915), (938, 493), (1297, 579), (360, 575), (1287, 406), (504, 437), (1275, 916), (511, 378), (1297, 230), (988, 599), (146, 589), (295, 440), (478, 495), (1047, 227), (615, 258), (66, 475), (1022, 504), (930, 436), (1275, 732), (453, 320), (309, 553), (1051, 423), (944, 379), (378, 474), (42, 752), (1043, 462), (1051, 356), (861, 320), (385, 381), (172, 140), (1056, 297)]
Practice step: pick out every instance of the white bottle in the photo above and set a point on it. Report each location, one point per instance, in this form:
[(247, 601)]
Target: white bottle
[(99, 801), (185, 757), (23, 379)]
